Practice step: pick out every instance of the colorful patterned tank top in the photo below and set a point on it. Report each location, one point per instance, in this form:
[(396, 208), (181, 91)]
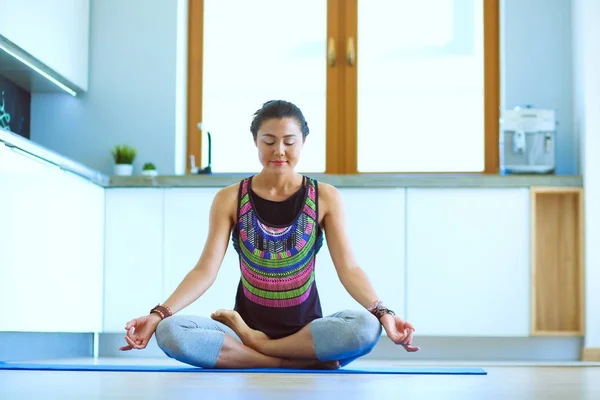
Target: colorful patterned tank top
[(277, 293)]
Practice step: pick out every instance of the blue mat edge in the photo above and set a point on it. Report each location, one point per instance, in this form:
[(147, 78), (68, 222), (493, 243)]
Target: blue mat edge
[(164, 368)]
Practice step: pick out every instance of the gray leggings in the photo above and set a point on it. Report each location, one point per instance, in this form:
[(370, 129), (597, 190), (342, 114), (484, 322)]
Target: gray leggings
[(343, 336)]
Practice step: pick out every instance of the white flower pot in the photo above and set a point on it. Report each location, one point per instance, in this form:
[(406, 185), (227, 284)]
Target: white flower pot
[(150, 172), (123, 169)]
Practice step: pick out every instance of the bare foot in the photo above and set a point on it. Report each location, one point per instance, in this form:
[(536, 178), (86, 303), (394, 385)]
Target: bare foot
[(232, 319), (310, 364)]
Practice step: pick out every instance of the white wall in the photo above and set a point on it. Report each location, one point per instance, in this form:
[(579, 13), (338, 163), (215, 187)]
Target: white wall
[(132, 89), (55, 32), (586, 39), (536, 51)]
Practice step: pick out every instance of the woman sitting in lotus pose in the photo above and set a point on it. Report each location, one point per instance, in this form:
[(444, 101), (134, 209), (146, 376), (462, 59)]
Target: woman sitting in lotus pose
[(276, 220)]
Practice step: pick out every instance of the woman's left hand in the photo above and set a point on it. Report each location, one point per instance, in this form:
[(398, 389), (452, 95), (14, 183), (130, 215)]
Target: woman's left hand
[(399, 331)]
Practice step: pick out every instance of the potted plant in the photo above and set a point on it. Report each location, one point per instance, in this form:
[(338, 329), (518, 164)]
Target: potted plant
[(123, 156), (149, 169)]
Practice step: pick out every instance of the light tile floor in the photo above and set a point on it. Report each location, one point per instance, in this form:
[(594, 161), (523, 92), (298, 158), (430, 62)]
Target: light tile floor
[(531, 381)]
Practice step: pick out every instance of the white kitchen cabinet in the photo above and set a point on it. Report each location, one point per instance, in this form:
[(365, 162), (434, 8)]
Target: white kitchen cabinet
[(186, 229), (77, 237), (50, 247), (371, 229), (134, 240), (28, 275), (468, 263), (375, 223), (54, 32)]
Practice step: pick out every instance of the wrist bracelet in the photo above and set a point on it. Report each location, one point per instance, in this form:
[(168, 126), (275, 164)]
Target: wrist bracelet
[(162, 311), (379, 310)]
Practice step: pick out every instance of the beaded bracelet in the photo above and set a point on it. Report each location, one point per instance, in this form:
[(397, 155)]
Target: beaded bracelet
[(162, 310), (379, 310)]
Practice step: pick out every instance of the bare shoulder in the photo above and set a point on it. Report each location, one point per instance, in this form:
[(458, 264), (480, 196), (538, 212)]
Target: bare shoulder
[(225, 201), (328, 191), (228, 193), (330, 198)]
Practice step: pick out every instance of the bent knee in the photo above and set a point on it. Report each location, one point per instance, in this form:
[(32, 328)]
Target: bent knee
[(184, 340), (367, 329), (167, 334), (172, 334), (346, 334)]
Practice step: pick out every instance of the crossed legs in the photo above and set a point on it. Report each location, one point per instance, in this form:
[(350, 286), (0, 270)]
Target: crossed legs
[(225, 341), (343, 337)]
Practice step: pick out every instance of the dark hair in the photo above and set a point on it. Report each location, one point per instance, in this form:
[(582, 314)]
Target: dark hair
[(278, 109)]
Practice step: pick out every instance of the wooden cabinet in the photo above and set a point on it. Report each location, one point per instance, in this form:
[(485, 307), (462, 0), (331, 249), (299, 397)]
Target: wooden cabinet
[(452, 261), (51, 247), (468, 261), (557, 239), (134, 250)]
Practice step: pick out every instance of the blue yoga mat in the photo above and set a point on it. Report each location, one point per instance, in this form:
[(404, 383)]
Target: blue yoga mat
[(166, 368)]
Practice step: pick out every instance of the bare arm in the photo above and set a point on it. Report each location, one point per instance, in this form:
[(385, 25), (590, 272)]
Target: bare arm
[(353, 278), (200, 278), (204, 273), (351, 275)]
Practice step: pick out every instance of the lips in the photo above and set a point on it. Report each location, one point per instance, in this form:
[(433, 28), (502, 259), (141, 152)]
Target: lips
[(277, 162)]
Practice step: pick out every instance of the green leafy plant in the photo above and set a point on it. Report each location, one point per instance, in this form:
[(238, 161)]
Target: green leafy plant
[(124, 154), (149, 167)]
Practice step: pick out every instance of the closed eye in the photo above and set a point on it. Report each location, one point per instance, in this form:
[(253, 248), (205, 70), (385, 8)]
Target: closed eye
[(287, 144)]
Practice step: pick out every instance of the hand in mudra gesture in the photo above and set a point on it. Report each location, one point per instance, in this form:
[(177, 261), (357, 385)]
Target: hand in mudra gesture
[(399, 331), (140, 331)]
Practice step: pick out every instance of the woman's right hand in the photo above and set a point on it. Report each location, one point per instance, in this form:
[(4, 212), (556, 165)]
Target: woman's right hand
[(139, 331)]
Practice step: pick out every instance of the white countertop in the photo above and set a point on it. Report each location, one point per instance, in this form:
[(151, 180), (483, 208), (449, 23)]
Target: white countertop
[(20, 143), (220, 180)]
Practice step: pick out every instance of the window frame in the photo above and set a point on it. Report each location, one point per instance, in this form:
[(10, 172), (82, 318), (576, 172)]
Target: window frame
[(341, 127)]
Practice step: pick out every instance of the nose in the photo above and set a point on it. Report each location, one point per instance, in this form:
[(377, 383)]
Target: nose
[(279, 148)]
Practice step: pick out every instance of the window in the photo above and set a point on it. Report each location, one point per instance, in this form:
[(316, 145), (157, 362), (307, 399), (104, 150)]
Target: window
[(264, 50), (420, 86), (386, 86)]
